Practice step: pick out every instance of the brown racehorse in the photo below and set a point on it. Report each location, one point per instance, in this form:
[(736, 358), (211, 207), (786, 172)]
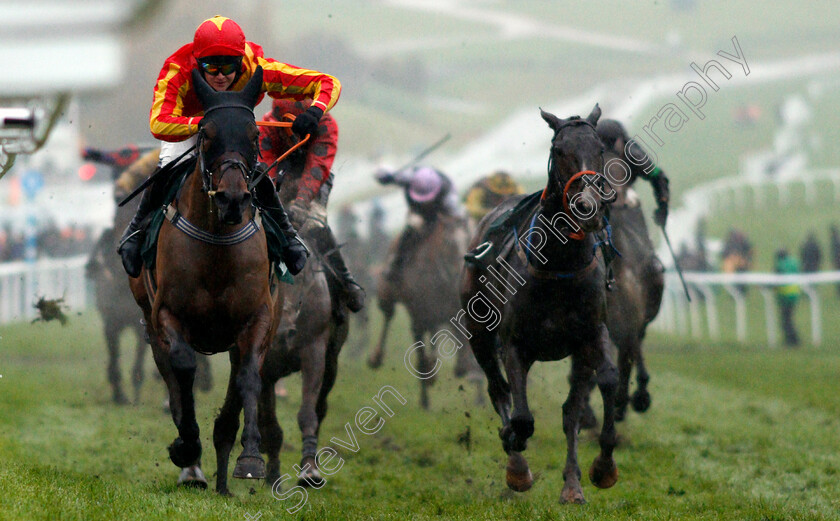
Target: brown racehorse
[(210, 290), (428, 289), (554, 305), (119, 312), (114, 301), (309, 338)]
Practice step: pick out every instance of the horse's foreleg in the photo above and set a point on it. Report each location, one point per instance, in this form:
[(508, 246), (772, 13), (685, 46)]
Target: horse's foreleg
[(641, 397), (587, 414), (249, 464), (484, 348), (226, 425), (604, 472), (185, 451), (312, 366), (375, 359), (271, 434), (625, 367), (521, 426), (112, 339), (573, 406)]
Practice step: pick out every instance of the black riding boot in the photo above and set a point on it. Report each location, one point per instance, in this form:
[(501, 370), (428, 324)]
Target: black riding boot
[(352, 289), (131, 242), (294, 253)]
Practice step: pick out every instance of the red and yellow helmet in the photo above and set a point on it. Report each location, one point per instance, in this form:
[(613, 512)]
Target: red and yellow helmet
[(218, 36)]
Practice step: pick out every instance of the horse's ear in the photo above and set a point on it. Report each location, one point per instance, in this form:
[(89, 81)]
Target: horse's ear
[(594, 115), (252, 89), (202, 89), (553, 121)]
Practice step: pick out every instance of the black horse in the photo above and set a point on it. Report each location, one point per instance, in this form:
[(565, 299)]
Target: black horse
[(636, 297), (548, 301), (309, 339)]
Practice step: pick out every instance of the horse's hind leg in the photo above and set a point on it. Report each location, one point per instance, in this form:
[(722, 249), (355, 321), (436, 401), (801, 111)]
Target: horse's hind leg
[(386, 305), (587, 415), (204, 374), (138, 373), (312, 367), (625, 367), (604, 472), (112, 339), (226, 425), (641, 397), (271, 434)]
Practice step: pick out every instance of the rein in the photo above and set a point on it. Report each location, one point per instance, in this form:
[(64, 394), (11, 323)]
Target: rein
[(524, 254), (288, 126)]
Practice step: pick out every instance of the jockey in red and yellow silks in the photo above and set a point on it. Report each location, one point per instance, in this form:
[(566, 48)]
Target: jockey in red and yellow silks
[(307, 183), (176, 111), (226, 61)]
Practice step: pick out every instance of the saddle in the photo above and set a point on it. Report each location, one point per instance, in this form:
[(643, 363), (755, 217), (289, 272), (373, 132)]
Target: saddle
[(275, 239)]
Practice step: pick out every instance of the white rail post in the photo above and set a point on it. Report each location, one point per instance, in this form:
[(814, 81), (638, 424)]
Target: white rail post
[(711, 310), (816, 320), (694, 314), (770, 315), (740, 312)]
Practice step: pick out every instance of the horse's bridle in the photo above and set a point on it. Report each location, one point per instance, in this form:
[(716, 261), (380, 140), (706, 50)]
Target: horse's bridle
[(207, 174), (572, 122)]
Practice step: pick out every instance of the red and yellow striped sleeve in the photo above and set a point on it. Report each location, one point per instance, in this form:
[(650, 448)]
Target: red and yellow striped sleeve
[(282, 80), (168, 120)]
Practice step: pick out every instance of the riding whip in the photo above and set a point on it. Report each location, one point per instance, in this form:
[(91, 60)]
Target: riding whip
[(431, 148), (159, 172), (676, 263)]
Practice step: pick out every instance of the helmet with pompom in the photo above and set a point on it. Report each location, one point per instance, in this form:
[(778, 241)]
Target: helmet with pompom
[(425, 185), (218, 36)]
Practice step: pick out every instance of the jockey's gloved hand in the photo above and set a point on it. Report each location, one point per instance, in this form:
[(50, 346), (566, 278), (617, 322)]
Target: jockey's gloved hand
[(295, 255), (298, 213), (660, 215), (307, 122), (384, 176), (92, 154)]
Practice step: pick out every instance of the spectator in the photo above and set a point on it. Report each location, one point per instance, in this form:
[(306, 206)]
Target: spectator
[(787, 296), (810, 254), (835, 249)]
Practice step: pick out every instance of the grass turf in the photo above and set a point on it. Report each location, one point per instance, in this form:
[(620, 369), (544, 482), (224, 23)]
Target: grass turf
[(734, 433)]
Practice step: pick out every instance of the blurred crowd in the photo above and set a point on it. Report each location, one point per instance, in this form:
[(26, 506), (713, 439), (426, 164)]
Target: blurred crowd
[(49, 241), (737, 256)]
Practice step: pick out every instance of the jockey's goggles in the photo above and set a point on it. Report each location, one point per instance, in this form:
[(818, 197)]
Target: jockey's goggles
[(213, 69)]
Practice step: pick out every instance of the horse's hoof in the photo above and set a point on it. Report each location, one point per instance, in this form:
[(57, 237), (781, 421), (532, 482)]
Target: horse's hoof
[(603, 473), (374, 361), (249, 467), (573, 496), (641, 401), (192, 477), (120, 398), (518, 477), (310, 477), (184, 454)]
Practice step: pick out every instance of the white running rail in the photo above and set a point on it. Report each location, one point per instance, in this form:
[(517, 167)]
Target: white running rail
[(678, 316), (23, 283)]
